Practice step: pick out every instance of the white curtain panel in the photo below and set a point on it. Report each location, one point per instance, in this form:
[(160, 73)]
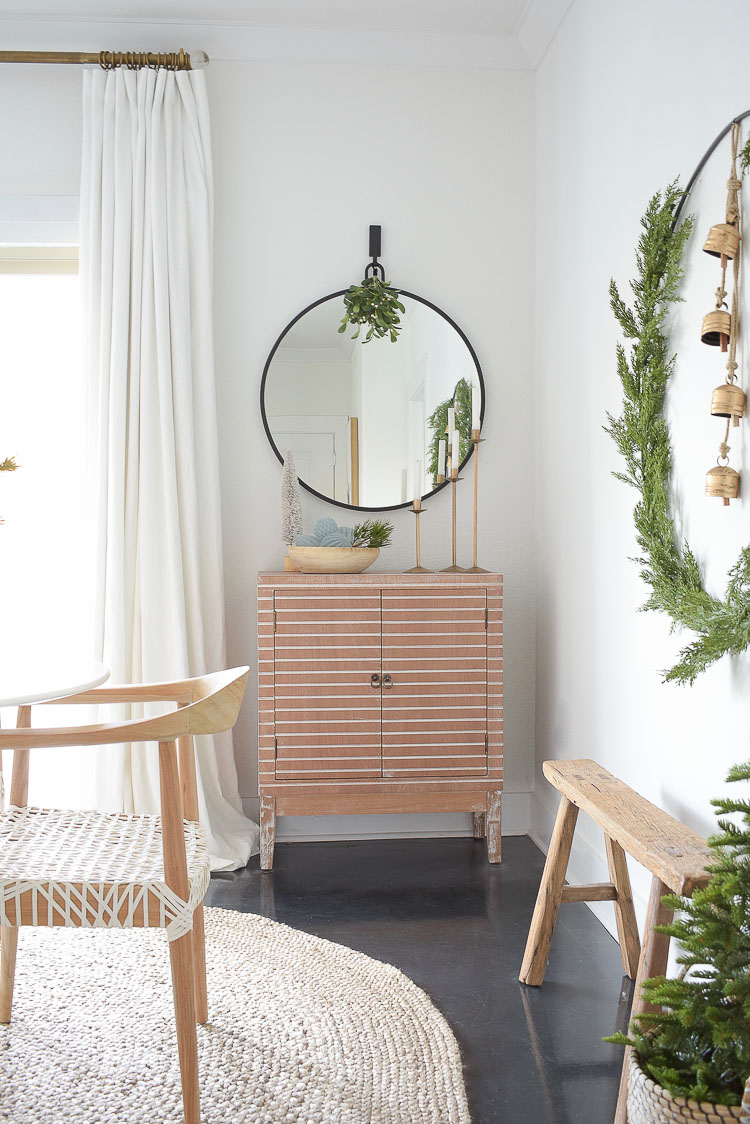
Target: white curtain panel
[(146, 271)]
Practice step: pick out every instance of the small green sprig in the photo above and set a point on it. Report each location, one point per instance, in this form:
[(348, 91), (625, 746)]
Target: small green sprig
[(373, 533), (696, 1041), (373, 302)]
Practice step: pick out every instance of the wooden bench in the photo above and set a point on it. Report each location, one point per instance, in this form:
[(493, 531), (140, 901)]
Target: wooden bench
[(675, 856)]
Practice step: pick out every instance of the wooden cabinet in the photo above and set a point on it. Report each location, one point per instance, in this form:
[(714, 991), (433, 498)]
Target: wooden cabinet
[(380, 693)]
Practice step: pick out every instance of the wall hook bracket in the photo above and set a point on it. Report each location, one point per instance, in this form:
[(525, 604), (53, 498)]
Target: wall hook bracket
[(374, 267)]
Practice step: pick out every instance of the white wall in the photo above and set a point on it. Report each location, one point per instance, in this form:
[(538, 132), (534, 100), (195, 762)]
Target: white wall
[(628, 98), (306, 157)]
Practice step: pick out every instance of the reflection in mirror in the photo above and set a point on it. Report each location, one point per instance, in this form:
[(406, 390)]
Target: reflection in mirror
[(364, 419)]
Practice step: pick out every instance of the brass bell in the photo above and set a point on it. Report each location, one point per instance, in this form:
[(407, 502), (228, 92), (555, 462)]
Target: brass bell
[(729, 401), (717, 326), (723, 241), (723, 482)]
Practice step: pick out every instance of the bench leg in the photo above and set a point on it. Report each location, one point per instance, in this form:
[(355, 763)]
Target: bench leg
[(653, 962), (548, 899), (627, 926)]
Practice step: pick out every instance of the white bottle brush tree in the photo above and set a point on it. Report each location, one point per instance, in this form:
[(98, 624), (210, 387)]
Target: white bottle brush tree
[(291, 504)]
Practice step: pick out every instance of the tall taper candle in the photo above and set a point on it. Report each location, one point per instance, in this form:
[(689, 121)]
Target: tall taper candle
[(455, 455), (476, 403), (476, 441), (451, 420), (418, 482), (441, 458)]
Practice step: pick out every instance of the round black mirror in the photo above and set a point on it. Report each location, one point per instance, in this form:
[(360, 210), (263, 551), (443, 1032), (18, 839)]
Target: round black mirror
[(365, 421)]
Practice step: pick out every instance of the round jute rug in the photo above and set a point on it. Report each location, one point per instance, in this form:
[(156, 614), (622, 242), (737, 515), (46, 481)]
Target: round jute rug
[(301, 1030)]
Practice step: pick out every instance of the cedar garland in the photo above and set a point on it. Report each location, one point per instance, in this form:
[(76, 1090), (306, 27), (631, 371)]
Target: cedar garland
[(642, 438)]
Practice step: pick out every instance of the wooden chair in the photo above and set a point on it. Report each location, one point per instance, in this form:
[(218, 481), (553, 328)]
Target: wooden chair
[(93, 869)]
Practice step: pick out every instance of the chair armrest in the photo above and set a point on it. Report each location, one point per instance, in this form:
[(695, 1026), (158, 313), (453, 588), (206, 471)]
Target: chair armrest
[(180, 691)]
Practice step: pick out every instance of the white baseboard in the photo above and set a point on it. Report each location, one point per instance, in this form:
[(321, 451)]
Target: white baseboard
[(307, 829)]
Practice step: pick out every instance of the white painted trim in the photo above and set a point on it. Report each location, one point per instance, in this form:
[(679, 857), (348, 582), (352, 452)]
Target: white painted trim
[(308, 829), (39, 219), (226, 41), (538, 27)]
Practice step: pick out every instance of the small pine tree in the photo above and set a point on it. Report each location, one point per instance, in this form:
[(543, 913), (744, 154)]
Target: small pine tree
[(699, 1045), (291, 504)]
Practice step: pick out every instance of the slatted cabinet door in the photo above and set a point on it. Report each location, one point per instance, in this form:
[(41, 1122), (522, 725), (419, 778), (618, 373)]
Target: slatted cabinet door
[(434, 706), (327, 712)]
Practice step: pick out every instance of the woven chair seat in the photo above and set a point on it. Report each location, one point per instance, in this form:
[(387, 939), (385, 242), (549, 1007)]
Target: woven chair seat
[(95, 870)]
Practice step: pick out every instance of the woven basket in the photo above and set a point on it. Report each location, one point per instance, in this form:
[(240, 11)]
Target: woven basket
[(649, 1103)]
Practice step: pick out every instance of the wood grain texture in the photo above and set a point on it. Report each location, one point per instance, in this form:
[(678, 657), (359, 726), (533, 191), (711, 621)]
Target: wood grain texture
[(214, 706), (548, 900), (181, 950), (667, 848), (267, 831), (627, 925), (493, 826), (653, 962), (589, 892), (431, 740)]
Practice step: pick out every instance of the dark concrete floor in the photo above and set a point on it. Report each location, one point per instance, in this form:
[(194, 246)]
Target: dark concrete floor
[(457, 926)]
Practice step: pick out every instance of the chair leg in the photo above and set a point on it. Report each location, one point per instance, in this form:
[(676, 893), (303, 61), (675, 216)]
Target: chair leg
[(183, 983), (199, 966), (8, 944)]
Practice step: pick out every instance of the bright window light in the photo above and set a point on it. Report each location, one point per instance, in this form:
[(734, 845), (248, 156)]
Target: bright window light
[(45, 552)]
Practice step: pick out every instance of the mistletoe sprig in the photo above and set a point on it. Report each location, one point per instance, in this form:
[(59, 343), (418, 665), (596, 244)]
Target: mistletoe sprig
[(642, 437), (376, 303)]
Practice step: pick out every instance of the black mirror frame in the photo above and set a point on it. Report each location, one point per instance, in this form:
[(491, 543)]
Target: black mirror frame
[(340, 503)]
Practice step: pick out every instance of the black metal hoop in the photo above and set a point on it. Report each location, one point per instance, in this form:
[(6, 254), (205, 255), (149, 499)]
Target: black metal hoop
[(274, 349), (702, 163)]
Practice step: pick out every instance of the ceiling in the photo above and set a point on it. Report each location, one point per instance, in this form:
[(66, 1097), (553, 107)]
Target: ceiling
[(484, 17), (503, 34)]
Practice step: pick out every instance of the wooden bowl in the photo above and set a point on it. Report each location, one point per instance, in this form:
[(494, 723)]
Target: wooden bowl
[(333, 559)]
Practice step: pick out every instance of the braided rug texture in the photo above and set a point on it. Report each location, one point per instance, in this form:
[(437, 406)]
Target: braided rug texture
[(301, 1031)]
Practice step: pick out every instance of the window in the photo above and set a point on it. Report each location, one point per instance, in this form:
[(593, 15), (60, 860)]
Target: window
[(45, 553)]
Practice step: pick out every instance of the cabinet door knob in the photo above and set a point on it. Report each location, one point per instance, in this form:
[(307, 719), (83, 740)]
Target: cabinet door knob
[(387, 681), (375, 680)]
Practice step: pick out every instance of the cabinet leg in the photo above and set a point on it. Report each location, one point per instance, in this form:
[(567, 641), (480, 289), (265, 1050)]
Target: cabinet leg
[(267, 831), (479, 823), (494, 842)]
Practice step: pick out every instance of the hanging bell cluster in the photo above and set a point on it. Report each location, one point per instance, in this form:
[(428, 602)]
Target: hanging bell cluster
[(720, 329)]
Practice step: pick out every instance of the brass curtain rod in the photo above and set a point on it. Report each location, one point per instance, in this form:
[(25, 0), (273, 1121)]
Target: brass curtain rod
[(110, 60)]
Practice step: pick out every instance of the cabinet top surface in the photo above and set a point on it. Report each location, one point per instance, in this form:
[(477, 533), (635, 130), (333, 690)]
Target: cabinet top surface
[(379, 577)]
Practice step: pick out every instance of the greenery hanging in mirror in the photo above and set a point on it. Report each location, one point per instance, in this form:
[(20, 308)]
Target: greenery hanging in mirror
[(642, 437), (438, 420), (376, 303)]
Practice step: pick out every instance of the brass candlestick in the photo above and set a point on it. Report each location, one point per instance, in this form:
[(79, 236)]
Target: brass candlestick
[(416, 509), (454, 477), (476, 441)]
